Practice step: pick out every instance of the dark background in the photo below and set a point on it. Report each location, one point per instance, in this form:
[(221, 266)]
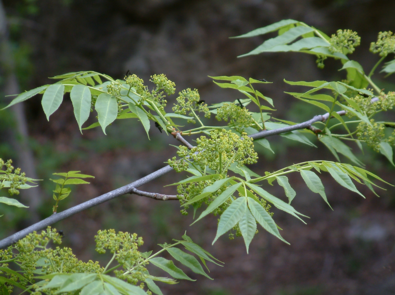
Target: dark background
[(348, 251)]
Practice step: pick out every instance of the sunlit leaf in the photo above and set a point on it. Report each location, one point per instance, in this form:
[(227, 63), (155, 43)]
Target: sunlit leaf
[(169, 267), (107, 110), (80, 96), (231, 216), (52, 99), (289, 191), (247, 225)]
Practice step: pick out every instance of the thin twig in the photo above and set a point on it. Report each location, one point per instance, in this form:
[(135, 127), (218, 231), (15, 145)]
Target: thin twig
[(155, 196), (307, 124)]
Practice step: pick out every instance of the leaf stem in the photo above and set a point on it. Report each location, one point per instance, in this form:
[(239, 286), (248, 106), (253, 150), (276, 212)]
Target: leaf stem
[(375, 66)]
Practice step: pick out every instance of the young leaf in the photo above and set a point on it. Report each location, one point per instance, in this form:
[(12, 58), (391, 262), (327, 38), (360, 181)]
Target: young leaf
[(153, 287), (93, 288), (75, 181), (199, 251), (52, 99), (289, 191), (314, 183), (196, 179), (231, 216), (121, 286), (76, 282), (26, 95), (12, 202), (169, 267), (208, 190), (386, 150), (270, 28), (341, 178), (80, 96), (107, 110), (275, 201), (219, 201), (187, 260), (110, 290), (56, 282), (142, 116), (247, 225), (340, 147), (264, 218)]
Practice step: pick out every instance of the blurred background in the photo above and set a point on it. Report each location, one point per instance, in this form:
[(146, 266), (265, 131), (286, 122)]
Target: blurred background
[(350, 250)]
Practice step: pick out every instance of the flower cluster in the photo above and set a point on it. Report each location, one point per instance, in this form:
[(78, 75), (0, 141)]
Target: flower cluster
[(238, 116), (217, 153), (383, 102), (344, 41), (372, 135), (14, 178), (384, 45), (162, 83), (124, 247), (188, 101)]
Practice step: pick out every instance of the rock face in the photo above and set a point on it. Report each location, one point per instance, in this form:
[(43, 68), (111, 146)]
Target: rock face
[(187, 41)]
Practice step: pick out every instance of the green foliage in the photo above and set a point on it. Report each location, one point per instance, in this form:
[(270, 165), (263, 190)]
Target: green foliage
[(50, 270), (69, 178), (14, 180)]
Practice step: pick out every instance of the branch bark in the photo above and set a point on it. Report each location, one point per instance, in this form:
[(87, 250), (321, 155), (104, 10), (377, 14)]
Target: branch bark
[(131, 188)]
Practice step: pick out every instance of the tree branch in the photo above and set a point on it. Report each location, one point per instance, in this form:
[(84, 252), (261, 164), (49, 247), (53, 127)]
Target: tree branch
[(306, 124), (131, 188), (78, 208), (155, 196)]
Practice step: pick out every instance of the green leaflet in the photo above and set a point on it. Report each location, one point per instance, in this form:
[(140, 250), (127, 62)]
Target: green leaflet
[(169, 267), (279, 43), (231, 216), (122, 286), (219, 200), (275, 201), (12, 202), (340, 147), (341, 178), (95, 287), (268, 29), (247, 225), (26, 95), (386, 150), (153, 287), (199, 251), (142, 116), (304, 83), (208, 190), (188, 260), (110, 290), (389, 67), (80, 96), (314, 183), (107, 110), (52, 99), (196, 179), (353, 64), (289, 191), (264, 218), (76, 282)]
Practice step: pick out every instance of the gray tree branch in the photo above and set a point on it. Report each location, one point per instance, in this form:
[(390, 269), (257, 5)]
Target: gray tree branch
[(131, 188)]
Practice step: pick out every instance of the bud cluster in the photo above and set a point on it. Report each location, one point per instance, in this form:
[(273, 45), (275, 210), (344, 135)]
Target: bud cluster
[(344, 41), (238, 116), (384, 45), (188, 101)]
